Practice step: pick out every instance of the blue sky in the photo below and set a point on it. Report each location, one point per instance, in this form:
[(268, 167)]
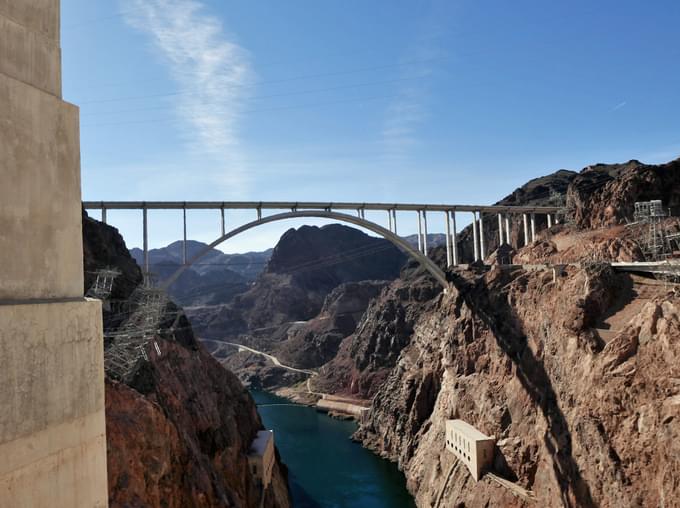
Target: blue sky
[(397, 101)]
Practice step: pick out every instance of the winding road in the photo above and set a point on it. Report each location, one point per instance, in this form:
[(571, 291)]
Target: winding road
[(272, 358)]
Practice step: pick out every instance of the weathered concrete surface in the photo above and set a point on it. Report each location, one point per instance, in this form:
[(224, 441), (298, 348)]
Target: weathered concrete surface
[(29, 57), (52, 440), (40, 16), (52, 426), (40, 211)]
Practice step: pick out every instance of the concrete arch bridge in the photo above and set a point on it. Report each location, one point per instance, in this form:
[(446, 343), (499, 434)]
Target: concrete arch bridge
[(351, 213)]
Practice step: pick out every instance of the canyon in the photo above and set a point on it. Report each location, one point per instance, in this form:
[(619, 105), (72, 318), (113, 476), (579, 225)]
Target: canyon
[(574, 370), (179, 427)]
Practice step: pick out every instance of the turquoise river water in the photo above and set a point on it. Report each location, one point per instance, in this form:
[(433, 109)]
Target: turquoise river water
[(326, 469)]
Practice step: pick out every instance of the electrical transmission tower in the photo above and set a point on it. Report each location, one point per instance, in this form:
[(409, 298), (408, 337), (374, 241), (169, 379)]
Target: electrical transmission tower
[(103, 284), (564, 216), (654, 239), (128, 343)]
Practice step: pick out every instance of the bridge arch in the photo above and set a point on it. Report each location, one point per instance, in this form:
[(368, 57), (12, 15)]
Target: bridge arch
[(402, 244)]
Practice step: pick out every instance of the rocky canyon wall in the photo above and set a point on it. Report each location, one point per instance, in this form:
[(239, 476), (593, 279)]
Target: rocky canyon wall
[(180, 427)]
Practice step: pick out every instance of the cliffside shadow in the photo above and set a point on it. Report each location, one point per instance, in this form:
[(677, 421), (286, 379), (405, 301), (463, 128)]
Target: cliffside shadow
[(501, 466), (493, 309), (625, 294)]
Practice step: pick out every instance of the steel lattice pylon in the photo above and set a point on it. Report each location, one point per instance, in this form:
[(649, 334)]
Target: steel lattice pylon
[(655, 241), (128, 343), (103, 283)]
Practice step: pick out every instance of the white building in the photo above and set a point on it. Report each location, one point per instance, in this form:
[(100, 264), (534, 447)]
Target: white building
[(470, 446), (261, 457)]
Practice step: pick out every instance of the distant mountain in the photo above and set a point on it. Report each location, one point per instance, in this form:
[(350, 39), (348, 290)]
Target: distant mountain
[(433, 240), (215, 279), (306, 265)]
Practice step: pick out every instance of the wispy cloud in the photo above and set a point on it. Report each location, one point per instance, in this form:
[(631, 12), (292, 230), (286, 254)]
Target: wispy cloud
[(619, 106), (404, 115), (212, 69), (410, 109)]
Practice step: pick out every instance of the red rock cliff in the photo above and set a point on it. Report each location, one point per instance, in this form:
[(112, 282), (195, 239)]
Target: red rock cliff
[(178, 429)]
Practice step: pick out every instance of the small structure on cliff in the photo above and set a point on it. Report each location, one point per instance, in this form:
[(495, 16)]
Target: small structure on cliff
[(472, 447), (261, 457)]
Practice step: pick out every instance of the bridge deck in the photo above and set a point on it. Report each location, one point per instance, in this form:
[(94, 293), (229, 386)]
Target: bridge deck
[(309, 205)]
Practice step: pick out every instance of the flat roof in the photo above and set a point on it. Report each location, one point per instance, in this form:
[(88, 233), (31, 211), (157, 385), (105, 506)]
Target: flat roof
[(259, 444), (468, 430)]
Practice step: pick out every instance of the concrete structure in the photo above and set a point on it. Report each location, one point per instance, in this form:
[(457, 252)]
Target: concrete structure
[(332, 211), (525, 221), (261, 457), (52, 428), (472, 447)]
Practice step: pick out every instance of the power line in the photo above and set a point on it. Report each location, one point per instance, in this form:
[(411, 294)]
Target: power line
[(264, 110), (101, 19), (270, 96), (249, 85)]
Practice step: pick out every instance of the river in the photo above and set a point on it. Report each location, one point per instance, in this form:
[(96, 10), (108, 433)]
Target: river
[(326, 469)]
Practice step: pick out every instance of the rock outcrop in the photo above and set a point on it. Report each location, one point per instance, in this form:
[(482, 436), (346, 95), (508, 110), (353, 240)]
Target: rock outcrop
[(605, 194), (366, 357), (581, 421), (316, 342), (311, 296), (180, 428), (575, 371), (307, 264)]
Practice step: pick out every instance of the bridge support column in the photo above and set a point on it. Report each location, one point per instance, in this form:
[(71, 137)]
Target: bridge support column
[(394, 220), (184, 243), (533, 228), (420, 231), (389, 220), (549, 221), (104, 215), (500, 229), (224, 229), (482, 251), (507, 229), (449, 250), (526, 229), (425, 232), (475, 239), (454, 241), (145, 234)]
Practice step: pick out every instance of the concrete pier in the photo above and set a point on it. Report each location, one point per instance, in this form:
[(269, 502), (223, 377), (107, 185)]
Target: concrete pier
[(52, 427), (420, 231), (449, 242), (526, 229), (500, 229), (425, 232), (475, 239), (507, 229), (482, 250), (454, 242)]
